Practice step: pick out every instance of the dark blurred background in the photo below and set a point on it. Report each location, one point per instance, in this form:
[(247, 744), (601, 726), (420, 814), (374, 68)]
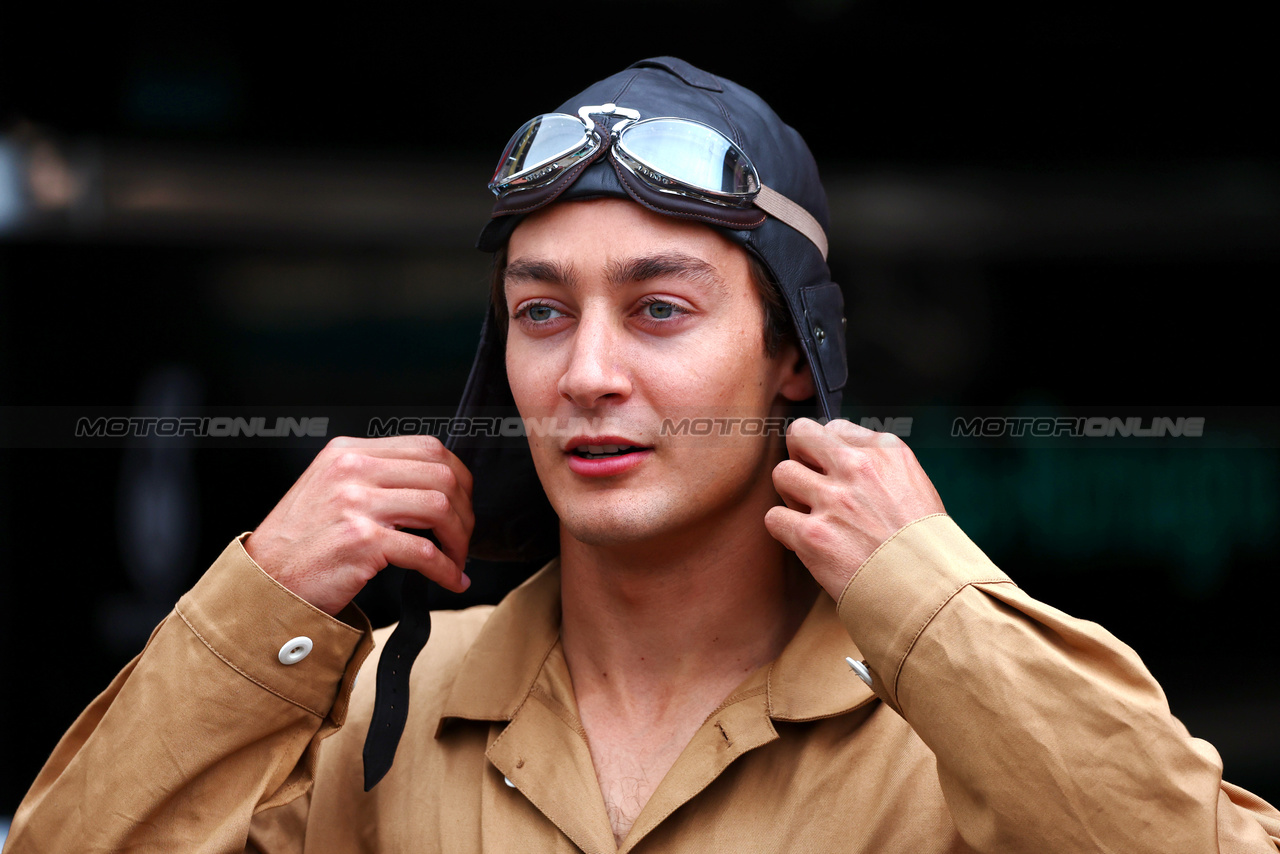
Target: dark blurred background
[(1065, 209)]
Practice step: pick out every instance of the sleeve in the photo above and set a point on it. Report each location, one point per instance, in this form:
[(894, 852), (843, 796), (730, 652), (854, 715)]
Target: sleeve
[(205, 728), (1050, 734)]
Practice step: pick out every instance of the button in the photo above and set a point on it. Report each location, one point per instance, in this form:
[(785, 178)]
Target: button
[(507, 780), (295, 650), (860, 668)]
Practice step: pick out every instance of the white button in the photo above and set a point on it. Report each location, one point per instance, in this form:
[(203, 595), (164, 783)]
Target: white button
[(860, 668), (295, 650), (507, 780)]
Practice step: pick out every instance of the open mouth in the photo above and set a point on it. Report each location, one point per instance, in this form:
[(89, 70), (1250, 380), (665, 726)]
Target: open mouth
[(599, 452)]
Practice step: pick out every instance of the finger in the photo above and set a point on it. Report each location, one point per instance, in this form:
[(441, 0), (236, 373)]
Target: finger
[(423, 556), (425, 448), (798, 484), (396, 465), (415, 474), (808, 443), (854, 434), (783, 524), (431, 509), (412, 444)]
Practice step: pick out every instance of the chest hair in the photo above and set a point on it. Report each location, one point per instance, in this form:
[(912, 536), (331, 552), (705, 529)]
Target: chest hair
[(633, 752)]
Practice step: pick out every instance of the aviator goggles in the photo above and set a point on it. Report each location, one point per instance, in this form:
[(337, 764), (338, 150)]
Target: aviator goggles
[(678, 166)]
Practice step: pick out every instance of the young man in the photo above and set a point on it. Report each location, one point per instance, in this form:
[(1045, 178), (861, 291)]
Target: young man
[(689, 674)]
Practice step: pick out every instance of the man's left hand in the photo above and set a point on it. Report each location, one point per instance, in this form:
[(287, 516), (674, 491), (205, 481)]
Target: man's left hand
[(847, 490)]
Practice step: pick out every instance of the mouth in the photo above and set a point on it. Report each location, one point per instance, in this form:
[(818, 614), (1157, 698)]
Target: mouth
[(600, 452), (604, 456)]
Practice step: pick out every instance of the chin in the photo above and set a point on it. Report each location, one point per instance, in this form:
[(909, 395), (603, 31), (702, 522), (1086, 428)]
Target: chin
[(610, 524)]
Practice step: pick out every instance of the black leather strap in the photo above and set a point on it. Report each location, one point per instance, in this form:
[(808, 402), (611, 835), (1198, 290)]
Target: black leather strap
[(391, 704)]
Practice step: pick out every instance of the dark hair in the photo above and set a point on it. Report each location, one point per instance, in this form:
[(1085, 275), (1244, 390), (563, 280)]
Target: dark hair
[(778, 328)]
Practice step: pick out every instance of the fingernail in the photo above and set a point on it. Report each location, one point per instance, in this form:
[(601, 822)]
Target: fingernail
[(466, 581)]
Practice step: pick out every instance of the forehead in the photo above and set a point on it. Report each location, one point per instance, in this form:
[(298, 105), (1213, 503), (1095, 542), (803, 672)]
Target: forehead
[(599, 235)]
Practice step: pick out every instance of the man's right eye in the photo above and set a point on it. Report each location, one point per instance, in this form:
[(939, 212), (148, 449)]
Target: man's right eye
[(537, 312)]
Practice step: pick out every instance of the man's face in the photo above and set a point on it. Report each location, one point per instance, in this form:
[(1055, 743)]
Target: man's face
[(626, 318)]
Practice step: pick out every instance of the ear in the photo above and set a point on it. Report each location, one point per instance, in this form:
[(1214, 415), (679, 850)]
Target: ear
[(796, 380)]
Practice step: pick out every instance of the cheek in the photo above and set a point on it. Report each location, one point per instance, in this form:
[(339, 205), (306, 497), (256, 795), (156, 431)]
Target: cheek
[(522, 376)]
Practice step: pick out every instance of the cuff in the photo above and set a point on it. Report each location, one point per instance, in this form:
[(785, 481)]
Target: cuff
[(898, 591), (254, 625)]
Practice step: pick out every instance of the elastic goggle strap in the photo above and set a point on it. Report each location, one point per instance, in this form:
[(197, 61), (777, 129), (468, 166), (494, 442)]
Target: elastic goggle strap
[(781, 208)]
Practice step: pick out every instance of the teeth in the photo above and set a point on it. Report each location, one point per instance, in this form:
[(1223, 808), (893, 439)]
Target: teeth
[(597, 451)]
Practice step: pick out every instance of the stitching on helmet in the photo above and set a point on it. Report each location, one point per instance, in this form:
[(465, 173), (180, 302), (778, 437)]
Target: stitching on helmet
[(625, 86), (733, 128)]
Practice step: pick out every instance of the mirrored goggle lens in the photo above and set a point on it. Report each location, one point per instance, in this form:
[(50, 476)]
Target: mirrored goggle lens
[(533, 152), (691, 153)]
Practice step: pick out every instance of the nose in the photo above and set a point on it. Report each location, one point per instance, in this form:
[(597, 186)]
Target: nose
[(594, 373)]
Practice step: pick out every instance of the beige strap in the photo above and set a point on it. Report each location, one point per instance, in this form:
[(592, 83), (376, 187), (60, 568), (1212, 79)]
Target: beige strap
[(780, 207)]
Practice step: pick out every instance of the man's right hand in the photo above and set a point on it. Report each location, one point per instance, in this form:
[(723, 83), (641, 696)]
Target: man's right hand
[(339, 525)]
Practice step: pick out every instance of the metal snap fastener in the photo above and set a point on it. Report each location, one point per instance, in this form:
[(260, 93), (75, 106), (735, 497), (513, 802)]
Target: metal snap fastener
[(295, 650), (860, 668), (820, 334), (507, 780)]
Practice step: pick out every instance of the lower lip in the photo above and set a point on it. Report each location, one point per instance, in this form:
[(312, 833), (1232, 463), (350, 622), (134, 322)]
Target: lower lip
[(607, 466)]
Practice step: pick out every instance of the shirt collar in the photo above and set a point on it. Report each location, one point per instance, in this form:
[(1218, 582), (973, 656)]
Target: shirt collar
[(809, 680)]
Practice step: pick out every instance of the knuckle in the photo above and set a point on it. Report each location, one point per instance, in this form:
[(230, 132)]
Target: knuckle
[(446, 477), (432, 446), (359, 531), (855, 461), (890, 440), (348, 464), (804, 426), (820, 534), (351, 495), (435, 502)]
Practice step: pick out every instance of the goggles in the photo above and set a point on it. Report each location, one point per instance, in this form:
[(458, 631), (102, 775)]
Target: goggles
[(679, 166)]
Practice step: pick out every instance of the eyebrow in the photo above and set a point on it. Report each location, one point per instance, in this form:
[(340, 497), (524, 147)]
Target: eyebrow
[(676, 265), (540, 270)]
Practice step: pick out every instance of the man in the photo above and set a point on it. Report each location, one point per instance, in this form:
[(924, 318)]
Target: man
[(689, 674)]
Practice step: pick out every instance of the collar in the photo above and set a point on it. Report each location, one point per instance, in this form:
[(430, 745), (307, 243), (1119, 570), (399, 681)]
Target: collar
[(808, 681)]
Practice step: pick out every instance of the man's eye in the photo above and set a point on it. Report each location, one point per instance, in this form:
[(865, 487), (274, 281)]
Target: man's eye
[(539, 313), (661, 310)]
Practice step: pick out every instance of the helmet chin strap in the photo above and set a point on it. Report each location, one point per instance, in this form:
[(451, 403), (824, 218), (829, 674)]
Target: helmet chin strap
[(391, 711)]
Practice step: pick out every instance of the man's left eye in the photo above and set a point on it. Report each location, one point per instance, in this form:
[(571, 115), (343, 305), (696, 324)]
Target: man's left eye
[(660, 310)]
